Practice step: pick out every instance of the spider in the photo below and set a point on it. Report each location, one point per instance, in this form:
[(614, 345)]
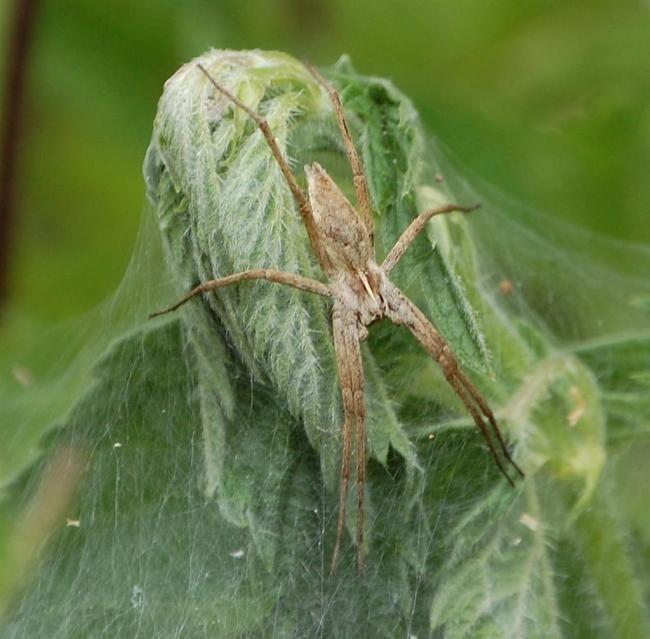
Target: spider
[(361, 293)]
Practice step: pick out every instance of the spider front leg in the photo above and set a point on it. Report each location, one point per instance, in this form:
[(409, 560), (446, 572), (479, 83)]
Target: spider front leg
[(350, 368), (403, 311)]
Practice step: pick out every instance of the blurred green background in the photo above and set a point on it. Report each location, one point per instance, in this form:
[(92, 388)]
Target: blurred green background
[(548, 100)]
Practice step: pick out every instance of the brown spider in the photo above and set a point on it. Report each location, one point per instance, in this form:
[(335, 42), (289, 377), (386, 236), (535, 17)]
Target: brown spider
[(362, 294)]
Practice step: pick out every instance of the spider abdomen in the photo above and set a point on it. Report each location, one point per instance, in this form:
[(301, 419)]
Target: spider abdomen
[(345, 238)]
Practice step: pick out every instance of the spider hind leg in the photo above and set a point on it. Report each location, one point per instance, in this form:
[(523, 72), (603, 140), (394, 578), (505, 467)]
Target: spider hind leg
[(358, 175), (298, 194)]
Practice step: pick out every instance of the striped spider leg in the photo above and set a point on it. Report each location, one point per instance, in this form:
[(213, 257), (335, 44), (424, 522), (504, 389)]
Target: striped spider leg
[(362, 293)]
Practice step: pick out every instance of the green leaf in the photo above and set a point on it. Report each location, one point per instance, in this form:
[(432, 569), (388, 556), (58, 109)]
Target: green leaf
[(212, 437), (499, 580), (622, 366)]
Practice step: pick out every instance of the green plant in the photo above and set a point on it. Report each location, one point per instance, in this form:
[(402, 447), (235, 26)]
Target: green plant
[(209, 505)]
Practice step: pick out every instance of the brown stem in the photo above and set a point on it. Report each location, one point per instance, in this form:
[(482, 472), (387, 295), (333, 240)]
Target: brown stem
[(17, 51)]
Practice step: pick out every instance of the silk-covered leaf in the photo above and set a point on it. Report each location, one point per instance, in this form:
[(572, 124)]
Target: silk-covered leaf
[(212, 437)]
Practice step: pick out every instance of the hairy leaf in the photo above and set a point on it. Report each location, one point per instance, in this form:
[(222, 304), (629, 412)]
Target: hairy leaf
[(212, 437)]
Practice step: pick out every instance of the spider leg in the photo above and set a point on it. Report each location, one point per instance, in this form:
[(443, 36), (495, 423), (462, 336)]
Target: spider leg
[(487, 412), (403, 311), (415, 228), (478, 420), (298, 195), (350, 369), (358, 175), (280, 277)]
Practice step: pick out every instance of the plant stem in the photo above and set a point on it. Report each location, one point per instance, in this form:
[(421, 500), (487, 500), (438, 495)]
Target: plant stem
[(17, 53)]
